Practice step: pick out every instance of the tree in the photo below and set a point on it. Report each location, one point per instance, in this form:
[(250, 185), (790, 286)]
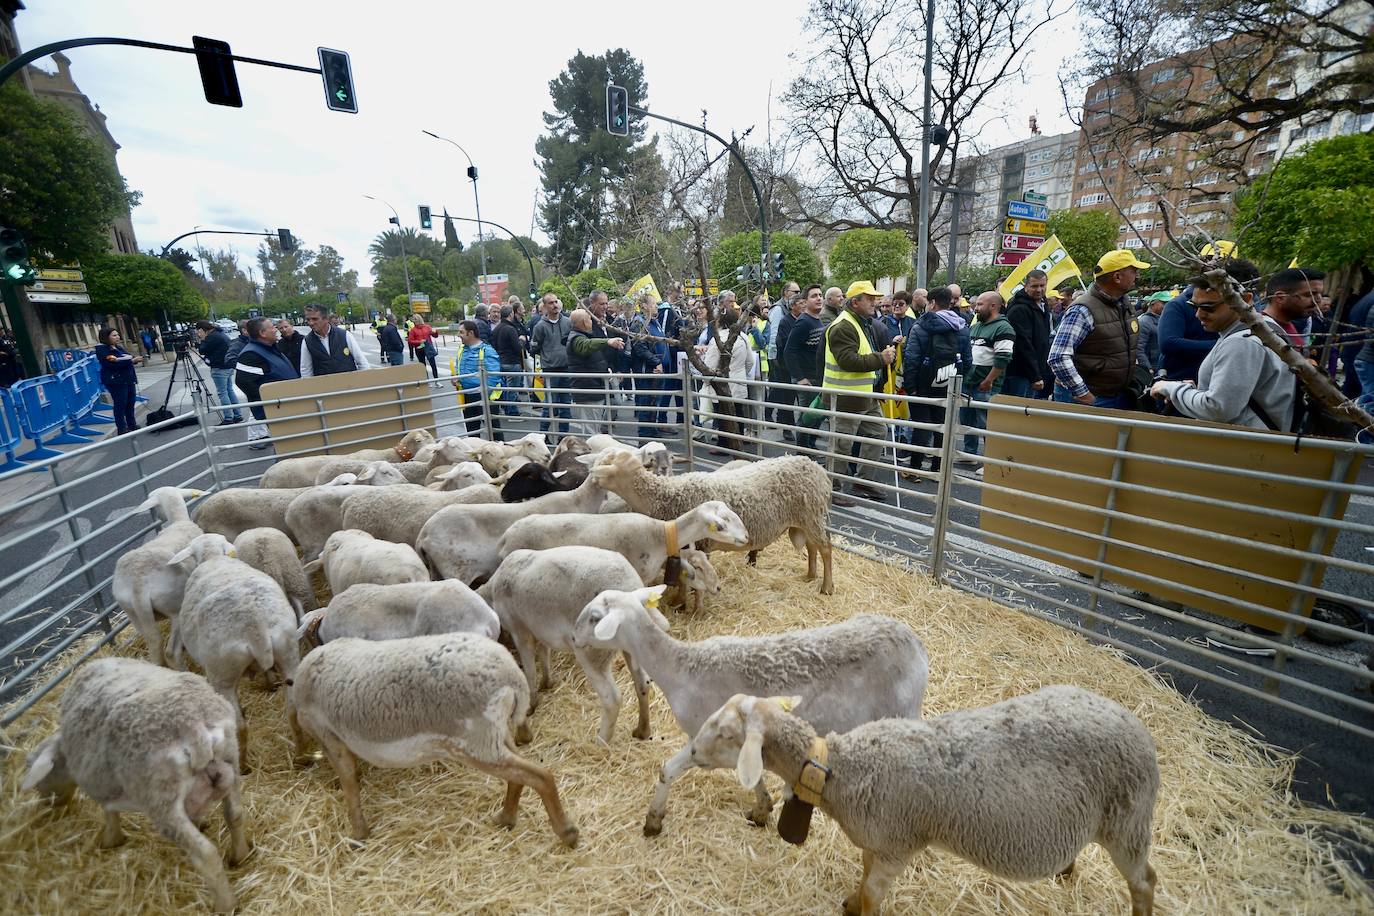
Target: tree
[(449, 309), (451, 240), (283, 272), (58, 186), (1317, 206), (325, 274), (424, 278), (800, 264), (143, 286), (867, 254), (410, 242), (1087, 235), (227, 282), (858, 106), (579, 162)]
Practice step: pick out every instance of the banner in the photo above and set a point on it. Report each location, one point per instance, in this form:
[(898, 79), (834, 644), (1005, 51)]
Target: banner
[(1051, 257), (644, 284), (491, 288)]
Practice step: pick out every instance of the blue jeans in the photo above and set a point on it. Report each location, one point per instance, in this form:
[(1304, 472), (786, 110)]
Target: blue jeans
[(224, 384), (394, 357), (975, 418), (649, 404), (552, 398), (1018, 386), (122, 397), (512, 374), (1118, 401)]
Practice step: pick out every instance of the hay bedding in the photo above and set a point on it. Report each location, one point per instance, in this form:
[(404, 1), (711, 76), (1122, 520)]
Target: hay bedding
[(1228, 837)]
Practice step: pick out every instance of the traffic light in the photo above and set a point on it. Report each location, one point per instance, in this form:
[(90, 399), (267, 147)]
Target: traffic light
[(617, 110), (939, 135), (777, 265), (217, 76), (337, 73), (288, 242), (742, 274), (425, 221), (14, 258)]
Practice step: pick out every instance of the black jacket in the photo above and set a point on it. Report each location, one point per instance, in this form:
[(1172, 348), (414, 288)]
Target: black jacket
[(388, 337), (290, 347), (505, 339), (214, 348), (805, 350), (1030, 358)]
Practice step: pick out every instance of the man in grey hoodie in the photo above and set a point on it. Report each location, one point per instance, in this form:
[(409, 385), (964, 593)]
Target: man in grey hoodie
[(549, 342), (1241, 381)]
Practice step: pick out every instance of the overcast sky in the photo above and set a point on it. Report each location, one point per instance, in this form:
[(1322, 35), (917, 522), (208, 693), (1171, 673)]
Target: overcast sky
[(477, 73)]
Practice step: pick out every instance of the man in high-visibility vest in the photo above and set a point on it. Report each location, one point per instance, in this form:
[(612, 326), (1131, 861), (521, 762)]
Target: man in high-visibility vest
[(850, 366)]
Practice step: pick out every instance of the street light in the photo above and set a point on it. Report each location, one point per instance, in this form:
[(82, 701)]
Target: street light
[(472, 173), (396, 218)]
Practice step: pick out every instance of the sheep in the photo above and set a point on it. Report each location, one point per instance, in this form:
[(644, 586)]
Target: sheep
[(351, 556), (301, 472), (537, 594), (270, 551), (235, 619), (137, 737), (460, 542), (1017, 788), (492, 455), (864, 668), (405, 472), (233, 511), (318, 512), (144, 586), (535, 480), (398, 513), (369, 611), (646, 542), (789, 494), (404, 702), (458, 476)]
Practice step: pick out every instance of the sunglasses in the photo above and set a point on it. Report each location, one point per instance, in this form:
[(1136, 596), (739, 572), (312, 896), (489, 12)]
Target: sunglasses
[(1207, 308)]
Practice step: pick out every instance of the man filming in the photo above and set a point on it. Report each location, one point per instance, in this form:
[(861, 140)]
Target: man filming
[(214, 349)]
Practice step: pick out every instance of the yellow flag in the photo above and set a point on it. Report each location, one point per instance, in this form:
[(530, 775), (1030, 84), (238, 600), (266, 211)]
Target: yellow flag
[(644, 284), (1222, 248), (1051, 257), (1293, 263)]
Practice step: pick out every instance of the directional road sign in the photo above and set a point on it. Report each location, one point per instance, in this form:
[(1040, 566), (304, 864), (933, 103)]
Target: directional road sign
[(1022, 242), (1022, 210), (1025, 226), (63, 298), (1031, 197), (1009, 258), (64, 273), (59, 286)]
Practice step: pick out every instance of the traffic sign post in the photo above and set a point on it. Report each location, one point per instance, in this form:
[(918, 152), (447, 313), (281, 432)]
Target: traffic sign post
[(1022, 242), (1026, 227), (1022, 210), (1009, 258)]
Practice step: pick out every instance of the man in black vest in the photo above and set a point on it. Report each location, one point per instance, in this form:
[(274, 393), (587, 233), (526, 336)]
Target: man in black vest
[(1093, 352), (260, 363), (328, 349)]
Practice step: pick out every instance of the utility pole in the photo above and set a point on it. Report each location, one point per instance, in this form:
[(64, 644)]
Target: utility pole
[(476, 202), (923, 219), (405, 266)]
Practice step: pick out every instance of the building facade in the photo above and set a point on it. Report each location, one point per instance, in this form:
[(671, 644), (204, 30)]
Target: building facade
[(1043, 164)]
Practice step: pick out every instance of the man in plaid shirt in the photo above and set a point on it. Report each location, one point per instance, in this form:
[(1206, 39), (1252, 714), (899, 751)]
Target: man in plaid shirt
[(1093, 351)]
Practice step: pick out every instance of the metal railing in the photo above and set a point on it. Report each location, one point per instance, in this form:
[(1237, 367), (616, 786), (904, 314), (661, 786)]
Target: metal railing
[(937, 520)]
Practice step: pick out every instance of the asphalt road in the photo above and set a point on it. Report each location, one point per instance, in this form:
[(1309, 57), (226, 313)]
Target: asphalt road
[(1332, 766)]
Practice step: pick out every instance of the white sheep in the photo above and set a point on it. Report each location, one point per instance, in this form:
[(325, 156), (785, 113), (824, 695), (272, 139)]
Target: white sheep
[(398, 513), (642, 540), (538, 594), (351, 557), (788, 495), (1017, 788), (318, 512), (231, 512), (137, 737), (457, 476), (301, 472), (407, 471), (493, 455), (653, 455), (460, 542), (370, 611), (867, 667), (234, 620), (144, 586), (404, 702), (268, 550)]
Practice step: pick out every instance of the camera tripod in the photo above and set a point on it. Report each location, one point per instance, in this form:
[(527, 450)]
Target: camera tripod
[(190, 376)]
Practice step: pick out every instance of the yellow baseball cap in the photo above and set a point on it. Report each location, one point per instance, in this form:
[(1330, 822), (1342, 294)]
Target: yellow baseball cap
[(861, 288), (1116, 260)]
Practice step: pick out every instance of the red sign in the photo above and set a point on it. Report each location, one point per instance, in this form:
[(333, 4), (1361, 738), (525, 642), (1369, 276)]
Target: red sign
[(1022, 242), (491, 289), (1009, 258)]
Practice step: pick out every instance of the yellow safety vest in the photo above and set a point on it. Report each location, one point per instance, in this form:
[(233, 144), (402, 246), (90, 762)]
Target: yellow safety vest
[(842, 379), (762, 326)]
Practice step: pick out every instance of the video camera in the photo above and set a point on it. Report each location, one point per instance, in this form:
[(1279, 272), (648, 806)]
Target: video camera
[(180, 341)]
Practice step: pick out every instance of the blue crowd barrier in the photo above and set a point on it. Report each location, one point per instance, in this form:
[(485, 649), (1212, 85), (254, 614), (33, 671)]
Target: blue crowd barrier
[(42, 409), (10, 433), (60, 358), (78, 400), (91, 390)]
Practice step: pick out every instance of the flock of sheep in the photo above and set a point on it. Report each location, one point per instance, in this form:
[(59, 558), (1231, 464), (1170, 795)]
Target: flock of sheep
[(434, 549)]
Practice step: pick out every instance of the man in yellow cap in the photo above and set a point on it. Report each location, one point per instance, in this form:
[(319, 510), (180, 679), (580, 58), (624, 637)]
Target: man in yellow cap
[(1093, 351), (850, 364)]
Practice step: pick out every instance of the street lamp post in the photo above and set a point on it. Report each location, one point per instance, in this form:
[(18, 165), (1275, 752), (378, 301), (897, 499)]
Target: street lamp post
[(396, 218), (472, 173), (923, 219)]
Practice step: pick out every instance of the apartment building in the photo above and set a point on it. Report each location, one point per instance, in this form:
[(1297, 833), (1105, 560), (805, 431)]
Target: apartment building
[(1041, 164)]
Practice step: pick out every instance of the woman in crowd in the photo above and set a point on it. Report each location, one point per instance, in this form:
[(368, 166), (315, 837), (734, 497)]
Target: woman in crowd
[(421, 340), (117, 375)]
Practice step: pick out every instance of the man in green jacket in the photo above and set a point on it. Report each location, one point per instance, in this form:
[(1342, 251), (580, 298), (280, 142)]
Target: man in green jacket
[(993, 340), (850, 365)]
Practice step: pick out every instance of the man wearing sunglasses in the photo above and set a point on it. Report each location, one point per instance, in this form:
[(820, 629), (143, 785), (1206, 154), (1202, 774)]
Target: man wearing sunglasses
[(1241, 381)]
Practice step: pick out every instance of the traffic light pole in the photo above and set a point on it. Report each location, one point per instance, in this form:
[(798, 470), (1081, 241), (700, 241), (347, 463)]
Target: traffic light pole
[(168, 247), (28, 352), (748, 173), (534, 285)]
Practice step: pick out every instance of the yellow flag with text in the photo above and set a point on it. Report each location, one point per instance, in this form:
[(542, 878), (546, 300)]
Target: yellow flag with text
[(1051, 257), (644, 284)]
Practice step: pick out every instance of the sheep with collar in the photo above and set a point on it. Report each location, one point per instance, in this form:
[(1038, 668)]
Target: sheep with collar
[(1017, 788), (867, 667)]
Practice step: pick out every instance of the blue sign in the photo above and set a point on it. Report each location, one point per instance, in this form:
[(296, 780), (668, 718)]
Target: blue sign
[(1022, 210)]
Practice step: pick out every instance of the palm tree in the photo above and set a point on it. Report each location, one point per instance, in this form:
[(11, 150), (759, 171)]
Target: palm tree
[(416, 244)]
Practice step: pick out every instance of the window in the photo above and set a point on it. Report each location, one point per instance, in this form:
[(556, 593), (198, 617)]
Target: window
[(1134, 242), (1089, 199), (1101, 95), (1162, 76)]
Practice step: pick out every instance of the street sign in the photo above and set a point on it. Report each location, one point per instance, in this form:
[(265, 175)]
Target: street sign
[(62, 298), (1031, 197), (340, 297), (419, 303), (1022, 210), (59, 286), (1022, 242), (1009, 258), (60, 274), (1026, 226)]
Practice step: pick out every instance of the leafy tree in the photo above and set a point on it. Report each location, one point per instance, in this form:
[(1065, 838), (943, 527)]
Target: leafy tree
[(424, 278), (143, 286), (325, 275), (449, 309), (451, 240), (579, 162), (391, 243), (1317, 206), (800, 264), (227, 282), (283, 272), (182, 258), (1087, 235), (867, 254), (972, 279)]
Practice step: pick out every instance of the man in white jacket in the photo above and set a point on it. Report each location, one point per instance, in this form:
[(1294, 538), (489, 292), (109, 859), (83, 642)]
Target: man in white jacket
[(1241, 381)]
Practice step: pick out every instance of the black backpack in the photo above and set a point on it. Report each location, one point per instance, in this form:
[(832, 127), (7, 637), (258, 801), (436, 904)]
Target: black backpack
[(944, 351)]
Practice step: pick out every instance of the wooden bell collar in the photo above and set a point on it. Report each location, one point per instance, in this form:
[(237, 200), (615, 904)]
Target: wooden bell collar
[(811, 783)]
